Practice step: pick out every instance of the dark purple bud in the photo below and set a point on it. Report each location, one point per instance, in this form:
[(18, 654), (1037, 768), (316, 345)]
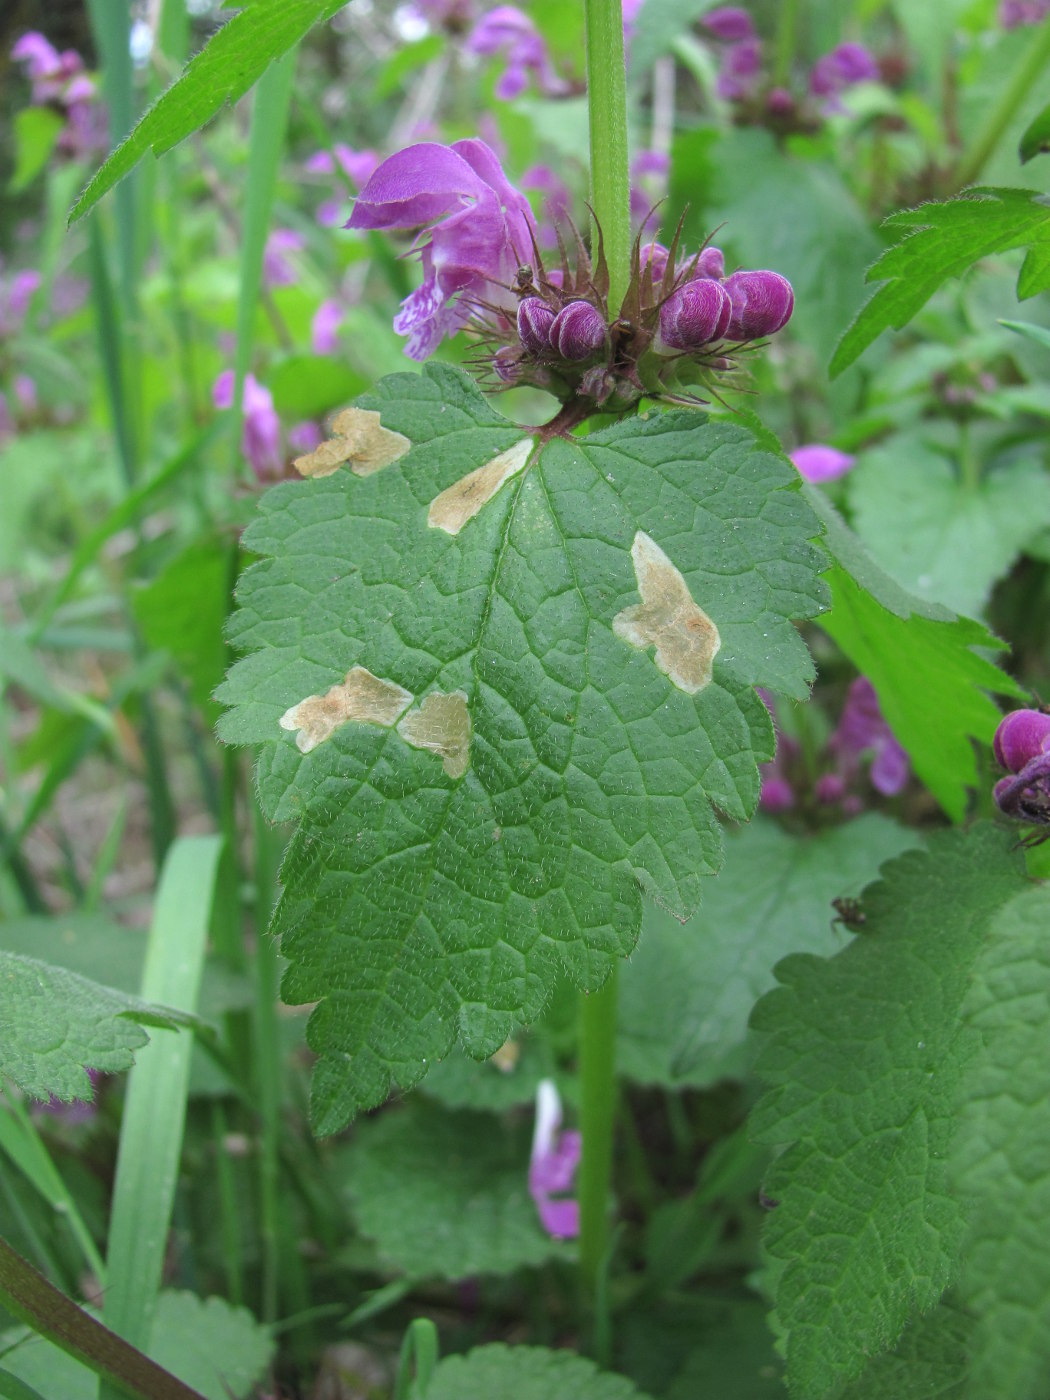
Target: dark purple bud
[(654, 256), (762, 304), (729, 22), (535, 319), (505, 362), (1021, 736), (710, 263), (696, 314), (578, 331)]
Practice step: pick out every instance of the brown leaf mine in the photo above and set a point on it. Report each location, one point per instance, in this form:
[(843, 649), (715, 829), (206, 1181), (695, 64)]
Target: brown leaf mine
[(451, 510), (361, 697), (685, 638), (442, 725), (360, 440)]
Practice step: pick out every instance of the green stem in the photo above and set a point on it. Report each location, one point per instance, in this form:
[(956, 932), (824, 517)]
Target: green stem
[(607, 109), (787, 30), (597, 1115), (975, 157)]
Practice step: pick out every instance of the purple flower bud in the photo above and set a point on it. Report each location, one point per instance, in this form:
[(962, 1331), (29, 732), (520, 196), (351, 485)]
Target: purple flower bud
[(710, 263), (696, 314), (535, 319), (762, 303), (578, 331), (819, 462), (1021, 736), (730, 23)]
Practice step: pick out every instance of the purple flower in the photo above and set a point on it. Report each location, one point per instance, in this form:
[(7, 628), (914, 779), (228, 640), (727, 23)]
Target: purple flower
[(648, 183), (862, 731), (740, 71), (481, 231), (1021, 736), (16, 292), (762, 304), (552, 1165), (324, 328), (508, 31), (535, 319), (261, 437), (1014, 13), (816, 461), (730, 23), (277, 270), (556, 200), (305, 437), (840, 69)]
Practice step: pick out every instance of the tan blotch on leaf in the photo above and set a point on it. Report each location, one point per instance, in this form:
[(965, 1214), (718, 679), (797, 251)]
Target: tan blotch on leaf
[(685, 638), (442, 725), (461, 502), (359, 439), (362, 697)]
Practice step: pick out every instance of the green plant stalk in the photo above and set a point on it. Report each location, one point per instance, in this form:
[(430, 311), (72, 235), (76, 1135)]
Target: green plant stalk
[(787, 36), (28, 1296), (273, 94), (229, 1224), (268, 1069), (610, 202), (979, 152), (607, 111)]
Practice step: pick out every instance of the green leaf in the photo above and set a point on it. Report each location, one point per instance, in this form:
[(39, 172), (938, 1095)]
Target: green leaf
[(687, 992), (446, 1194), (54, 1026), (1000, 1164), (923, 662), (1039, 335), (942, 538), (228, 65), (308, 386), (931, 1362), (656, 27), (427, 893), (494, 1084), (497, 1372), (864, 1092), (938, 241), (36, 129), (1036, 139), (219, 1350)]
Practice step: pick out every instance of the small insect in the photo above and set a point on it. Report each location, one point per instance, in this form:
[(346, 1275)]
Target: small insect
[(523, 279), (849, 912)]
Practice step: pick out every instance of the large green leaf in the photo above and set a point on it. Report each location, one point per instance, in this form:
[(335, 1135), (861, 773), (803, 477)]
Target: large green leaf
[(445, 1193), (498, 1372), (232, 60), (937, 241), (865, 1091), (578, 751), (941, 537), (54, 1026), (687, 992), (924, 662)]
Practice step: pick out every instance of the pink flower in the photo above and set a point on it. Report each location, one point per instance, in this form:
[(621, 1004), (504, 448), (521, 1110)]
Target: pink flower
[(552, 1165), (16, 292), (277, 270), (816, 461), (508, 31), (480, 231), (324, 328), (862, 732), (261, 437)]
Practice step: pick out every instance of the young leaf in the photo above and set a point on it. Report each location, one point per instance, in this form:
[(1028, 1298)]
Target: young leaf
[(865, 1088), (527, 1373), (228, 65), (55, 1025), (520, 679), (446, 1194), (923, 661), (937, 241), (1036, 139)]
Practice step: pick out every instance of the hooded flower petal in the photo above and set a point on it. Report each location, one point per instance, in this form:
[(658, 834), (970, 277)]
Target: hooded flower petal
[(816, 461), (552, 1167)]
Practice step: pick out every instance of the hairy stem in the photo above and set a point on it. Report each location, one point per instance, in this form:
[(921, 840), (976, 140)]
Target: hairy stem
[(607, 108), (597, 1115)]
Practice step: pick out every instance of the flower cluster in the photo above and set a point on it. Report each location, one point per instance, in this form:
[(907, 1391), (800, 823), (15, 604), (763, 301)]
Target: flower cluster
[(1022, 747), (680, 319), (742, 77), (60, 82), (861, 740)]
